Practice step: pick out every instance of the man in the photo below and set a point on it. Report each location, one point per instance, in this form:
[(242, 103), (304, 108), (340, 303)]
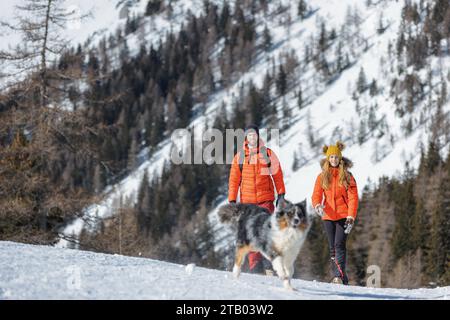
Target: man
[(254, 170)]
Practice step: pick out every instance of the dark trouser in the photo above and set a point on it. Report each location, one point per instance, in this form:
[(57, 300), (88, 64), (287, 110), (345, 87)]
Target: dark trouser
[(336, 243)]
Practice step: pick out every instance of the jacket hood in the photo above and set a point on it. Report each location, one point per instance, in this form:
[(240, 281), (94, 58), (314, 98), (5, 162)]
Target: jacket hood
[(347, 163)]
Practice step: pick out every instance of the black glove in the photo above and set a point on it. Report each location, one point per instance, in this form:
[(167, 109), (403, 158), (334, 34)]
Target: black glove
[(280, 197)]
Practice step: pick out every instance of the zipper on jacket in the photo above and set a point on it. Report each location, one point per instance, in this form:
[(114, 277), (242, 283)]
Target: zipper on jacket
[(334, 195), (254, 177)]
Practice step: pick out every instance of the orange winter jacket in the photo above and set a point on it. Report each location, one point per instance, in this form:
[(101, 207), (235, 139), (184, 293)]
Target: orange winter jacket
[(338, 202), (257, 177)]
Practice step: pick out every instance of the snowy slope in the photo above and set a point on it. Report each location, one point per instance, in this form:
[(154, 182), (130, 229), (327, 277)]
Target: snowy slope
[(105, 16), (102, 18), (40, 272), (331, 110)]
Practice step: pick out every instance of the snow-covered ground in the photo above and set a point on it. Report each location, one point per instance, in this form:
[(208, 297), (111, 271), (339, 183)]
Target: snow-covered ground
[(41, 272)]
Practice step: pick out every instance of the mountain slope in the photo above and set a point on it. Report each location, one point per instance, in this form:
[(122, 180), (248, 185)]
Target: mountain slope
[(104, 16), (40, 272), (333, 110)]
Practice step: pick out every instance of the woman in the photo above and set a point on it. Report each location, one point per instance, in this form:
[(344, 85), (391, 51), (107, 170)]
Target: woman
[(335, 199)]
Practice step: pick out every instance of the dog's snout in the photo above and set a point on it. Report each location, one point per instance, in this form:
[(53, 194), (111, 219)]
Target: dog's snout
[(296, 221)]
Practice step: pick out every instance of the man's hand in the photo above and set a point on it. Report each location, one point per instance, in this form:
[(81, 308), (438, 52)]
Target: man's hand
[(319, 210), (280, 197), (349, 224)]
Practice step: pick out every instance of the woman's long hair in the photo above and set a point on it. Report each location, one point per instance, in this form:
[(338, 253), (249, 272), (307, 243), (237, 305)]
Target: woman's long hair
[(344, 179)]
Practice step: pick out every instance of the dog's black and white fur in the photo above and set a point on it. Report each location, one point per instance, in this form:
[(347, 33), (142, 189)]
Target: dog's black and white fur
[(277, 236)]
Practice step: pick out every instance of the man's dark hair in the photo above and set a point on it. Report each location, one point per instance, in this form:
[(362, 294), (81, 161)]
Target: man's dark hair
[(252, 127)]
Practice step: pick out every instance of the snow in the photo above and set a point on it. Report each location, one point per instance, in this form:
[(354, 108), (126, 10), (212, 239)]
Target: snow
[(104, 17), (43, 272), (190, 268)]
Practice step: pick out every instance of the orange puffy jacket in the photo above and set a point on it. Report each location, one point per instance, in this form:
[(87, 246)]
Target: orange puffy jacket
[(255, 180), (339, 202)]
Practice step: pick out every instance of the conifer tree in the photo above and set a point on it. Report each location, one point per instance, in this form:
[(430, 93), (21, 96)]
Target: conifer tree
[(267, 42), (361, 84), (300, 101), (302, 9), (281, 82)]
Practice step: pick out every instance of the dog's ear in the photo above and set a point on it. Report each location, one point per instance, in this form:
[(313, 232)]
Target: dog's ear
[(301, 204), (280, 213)]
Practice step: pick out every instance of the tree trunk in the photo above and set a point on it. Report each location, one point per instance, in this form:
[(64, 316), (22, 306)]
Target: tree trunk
[(43, 67)]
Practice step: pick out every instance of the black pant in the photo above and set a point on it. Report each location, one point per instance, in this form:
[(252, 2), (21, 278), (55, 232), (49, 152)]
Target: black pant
[(336, 243)]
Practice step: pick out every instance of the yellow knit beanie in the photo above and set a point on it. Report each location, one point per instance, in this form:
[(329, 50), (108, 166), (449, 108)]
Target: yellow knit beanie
[(336, 150)]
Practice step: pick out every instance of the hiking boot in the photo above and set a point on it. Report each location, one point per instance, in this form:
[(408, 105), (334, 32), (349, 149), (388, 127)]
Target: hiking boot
[(268, 268), (270, 272), (337, 280)]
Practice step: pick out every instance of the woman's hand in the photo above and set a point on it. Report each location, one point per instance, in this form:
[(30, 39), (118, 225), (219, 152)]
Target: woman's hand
[(319, 210), (279, 198), (349, 224)]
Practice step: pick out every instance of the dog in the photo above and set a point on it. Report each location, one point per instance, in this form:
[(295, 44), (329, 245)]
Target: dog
[(278, 236)]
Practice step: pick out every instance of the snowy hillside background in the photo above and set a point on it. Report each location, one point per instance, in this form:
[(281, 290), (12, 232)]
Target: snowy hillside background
[(337, 72), (331, 111)]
